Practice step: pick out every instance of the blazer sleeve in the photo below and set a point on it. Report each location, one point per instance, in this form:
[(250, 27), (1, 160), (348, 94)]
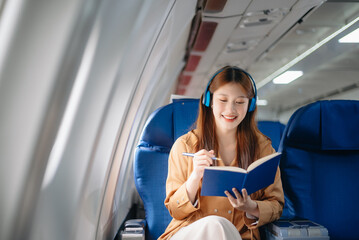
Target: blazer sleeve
[(270, 200), (177, 201)]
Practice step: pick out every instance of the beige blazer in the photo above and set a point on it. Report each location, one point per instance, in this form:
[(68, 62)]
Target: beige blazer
[(270, 200)]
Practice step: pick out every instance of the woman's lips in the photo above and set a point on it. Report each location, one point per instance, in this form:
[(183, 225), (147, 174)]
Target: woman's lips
[(229, 118)]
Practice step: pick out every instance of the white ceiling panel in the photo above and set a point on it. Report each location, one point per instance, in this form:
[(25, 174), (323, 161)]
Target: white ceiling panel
[(258, 5)]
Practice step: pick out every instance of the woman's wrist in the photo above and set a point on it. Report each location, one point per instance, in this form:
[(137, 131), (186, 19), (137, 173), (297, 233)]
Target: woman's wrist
[(192, 185), (254, 210)]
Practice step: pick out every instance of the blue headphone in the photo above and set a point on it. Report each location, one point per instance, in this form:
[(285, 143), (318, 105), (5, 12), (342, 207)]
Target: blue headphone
[(207, 94)]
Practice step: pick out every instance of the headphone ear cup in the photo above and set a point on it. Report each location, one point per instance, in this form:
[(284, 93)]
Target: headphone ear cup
[(207, 98), (252, 105)]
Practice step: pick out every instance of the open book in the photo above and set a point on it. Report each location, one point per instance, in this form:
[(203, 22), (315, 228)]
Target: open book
[(259, 174)]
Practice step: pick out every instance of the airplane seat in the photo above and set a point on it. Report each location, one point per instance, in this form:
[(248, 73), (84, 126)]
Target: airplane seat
[(320, 165), (161, 130), (273, 130)]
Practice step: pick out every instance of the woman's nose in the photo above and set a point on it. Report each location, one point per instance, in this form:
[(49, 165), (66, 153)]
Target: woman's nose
[(231, 107)]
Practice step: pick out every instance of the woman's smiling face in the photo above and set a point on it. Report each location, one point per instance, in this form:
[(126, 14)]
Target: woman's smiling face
[(230, 104)]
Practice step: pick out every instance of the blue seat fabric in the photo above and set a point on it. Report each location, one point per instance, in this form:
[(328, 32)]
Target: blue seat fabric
[(320, 165), (273, 130)]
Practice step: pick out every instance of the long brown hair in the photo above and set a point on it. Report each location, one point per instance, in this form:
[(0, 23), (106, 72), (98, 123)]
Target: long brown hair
[(247, 139)]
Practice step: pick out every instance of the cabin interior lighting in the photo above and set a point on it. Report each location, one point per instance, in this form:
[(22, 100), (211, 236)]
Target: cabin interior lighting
[(305, 54), (287, 77), (352, 37), (262, 102)]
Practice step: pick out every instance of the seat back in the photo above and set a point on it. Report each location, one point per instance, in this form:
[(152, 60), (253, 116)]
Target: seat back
[(161, 130), (320, 165), (273, 130)]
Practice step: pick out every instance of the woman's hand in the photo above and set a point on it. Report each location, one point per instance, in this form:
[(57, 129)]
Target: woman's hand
[(201, 159), (243, 202)]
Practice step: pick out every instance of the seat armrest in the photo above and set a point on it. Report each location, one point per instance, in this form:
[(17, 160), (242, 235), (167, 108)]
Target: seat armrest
[(295, 229), (134, 229), (135, 223)]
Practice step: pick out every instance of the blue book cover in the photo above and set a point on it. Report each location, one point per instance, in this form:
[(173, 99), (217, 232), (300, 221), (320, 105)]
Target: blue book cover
[(259, 174)]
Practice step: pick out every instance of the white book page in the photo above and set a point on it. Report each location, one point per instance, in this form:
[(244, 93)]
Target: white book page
[(261, 160), (227, 168)]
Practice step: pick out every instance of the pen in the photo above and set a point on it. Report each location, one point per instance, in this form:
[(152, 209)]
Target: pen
[(192, 155)]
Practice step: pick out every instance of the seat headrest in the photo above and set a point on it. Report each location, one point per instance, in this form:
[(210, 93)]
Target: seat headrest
[(325, 125), (273, 130), (168, 123)]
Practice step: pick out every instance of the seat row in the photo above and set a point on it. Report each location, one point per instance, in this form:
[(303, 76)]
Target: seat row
[(319, 163)]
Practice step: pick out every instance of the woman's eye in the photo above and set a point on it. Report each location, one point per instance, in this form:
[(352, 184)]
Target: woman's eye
[(223, 100), (239, 102)]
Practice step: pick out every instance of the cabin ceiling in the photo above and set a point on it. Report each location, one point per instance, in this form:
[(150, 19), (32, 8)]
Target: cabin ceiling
[(262, 36)]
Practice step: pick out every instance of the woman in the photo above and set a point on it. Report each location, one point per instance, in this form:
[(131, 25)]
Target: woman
[(226, 128)]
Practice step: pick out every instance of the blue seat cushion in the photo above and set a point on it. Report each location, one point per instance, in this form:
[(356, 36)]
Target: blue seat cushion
[(150, 181), (323, 192)]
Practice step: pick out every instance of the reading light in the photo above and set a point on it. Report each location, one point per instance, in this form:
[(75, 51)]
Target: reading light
[(352, 37), (287, 77), (262, 102)]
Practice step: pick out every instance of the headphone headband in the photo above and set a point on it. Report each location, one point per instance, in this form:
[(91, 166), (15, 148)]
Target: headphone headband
[(207, 94)]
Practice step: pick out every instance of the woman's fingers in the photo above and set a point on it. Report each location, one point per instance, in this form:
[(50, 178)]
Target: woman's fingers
[(203, 163), (204, 155), (244, 194), (241, 202), (205, 152), (236, 203), (202, 159), (230, 197), (238, 195)]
